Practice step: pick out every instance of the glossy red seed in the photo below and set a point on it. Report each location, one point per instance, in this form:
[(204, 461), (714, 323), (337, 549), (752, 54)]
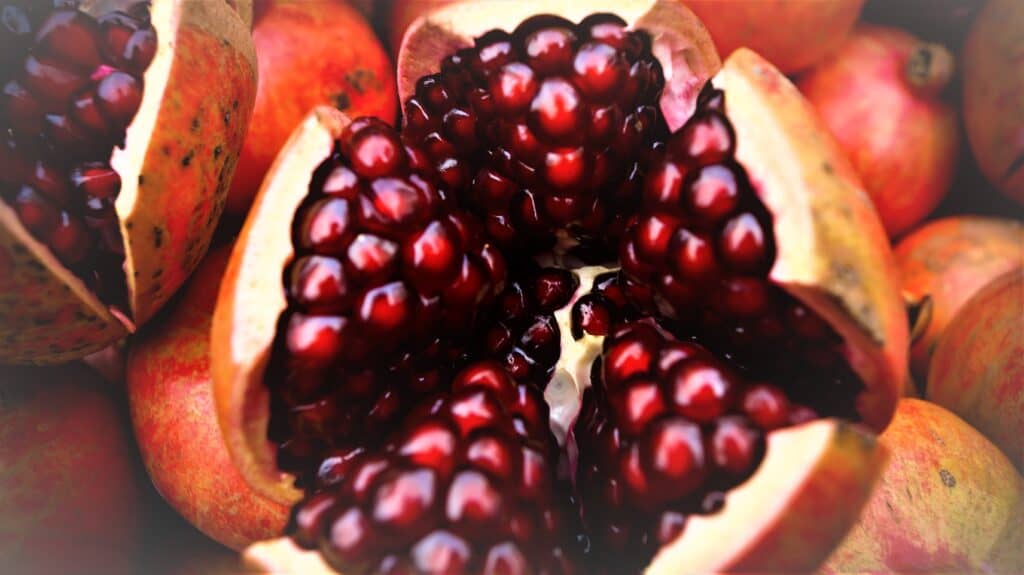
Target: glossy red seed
[(706, 139), (52, 81), (86, 112), (713, 194), (375, 152), (549, 51), (326, 227), (673, 455), (386, 309), (735, 445), (97, 180), (70, 35), (744, 297), (370, 259), (342, 182), (441, 552), (598, 71), (307, 519), (627, 358), (473, 409), (313, 339), (36, 212), (693, 256), (70, 239), (743, 244), (350, 539), (506, 559), (513, 88), (431, 257), (653, 236), (404, 499), (21, 109), (430, 444), (637, 406), (670, 526), (663, 188), (556, 112), (766, 405), (319, 285), (473, 502), (139, 50), (700, 391), (118, 96), (493, 454)]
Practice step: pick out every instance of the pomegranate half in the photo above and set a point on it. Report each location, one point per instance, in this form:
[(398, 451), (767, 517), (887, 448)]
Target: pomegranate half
[(122, 125), (417, 356)]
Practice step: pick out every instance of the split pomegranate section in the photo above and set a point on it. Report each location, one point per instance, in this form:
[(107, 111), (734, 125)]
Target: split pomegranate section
[(433, 292), (73, 85)]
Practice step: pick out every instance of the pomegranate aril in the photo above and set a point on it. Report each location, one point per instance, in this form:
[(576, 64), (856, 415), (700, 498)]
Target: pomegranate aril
[(766, 406), (735, 445), (116, 29), (69, 240), (713, 193), (96, 180), (707, 138), (307, 520), (71, 36), (319, 284), (139, 50), (22, 112), (118, 96), (35, 211), (51, 81), (348, 538)]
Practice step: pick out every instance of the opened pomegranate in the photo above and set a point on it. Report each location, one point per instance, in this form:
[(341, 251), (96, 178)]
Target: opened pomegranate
[(442, 380), (904, 79), (120, 134)]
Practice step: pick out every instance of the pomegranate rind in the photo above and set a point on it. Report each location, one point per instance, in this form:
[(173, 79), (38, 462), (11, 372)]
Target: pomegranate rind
[(832, 251), (799, 504), (251, 300), (977, 371), (47, 314), (168, 206), (994, 94), (182, 146), (679, 40), (947, 502)]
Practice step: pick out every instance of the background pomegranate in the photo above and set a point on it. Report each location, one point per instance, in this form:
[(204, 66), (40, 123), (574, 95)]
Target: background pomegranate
[(170, 396), (115, 160), (948, 501), (402, 13), (791, 35), (308, 53), (993, 107), (978, 371), (947, 261), (881, 96), (70, 497)]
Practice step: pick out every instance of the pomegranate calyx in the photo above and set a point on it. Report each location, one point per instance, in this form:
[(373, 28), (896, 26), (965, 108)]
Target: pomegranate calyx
[(930, 68)]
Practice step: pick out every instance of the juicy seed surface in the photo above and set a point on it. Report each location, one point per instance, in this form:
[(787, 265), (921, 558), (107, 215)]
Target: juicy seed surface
[(544, 132), (71, 84)]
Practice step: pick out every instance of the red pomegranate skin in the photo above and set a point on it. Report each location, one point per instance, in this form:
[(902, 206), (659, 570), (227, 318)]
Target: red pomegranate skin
[(792, 35), (171, 402), (308, 53), (902, 141), (70, 495)]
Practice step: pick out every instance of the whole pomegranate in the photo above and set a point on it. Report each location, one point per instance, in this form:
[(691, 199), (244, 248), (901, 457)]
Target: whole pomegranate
[(120, 125), (170, 395), (993, 105), (309, 53), (945, 262), (978, 371), (880, 83), (947, 502), (585, 295), (70, 497), (792, 35)]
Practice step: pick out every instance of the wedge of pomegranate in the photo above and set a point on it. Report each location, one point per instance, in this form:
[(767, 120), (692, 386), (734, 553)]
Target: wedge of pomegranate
[(121, 125), (380, 353)]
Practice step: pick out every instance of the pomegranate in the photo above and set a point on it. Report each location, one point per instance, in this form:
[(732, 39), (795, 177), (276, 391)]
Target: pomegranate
[(992, 104), (120, 133), (945, 262), (977, 370), (402, 13), (309, 53), (791, 35), (414, 377), (170, 396), (947, 502), (902, 78), (944, 21), (71, 499)]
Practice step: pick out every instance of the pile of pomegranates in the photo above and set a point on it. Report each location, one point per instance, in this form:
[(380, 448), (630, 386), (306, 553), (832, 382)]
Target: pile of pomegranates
[(554, 288)]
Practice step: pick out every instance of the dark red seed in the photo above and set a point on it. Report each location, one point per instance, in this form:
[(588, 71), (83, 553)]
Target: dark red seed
[(706, 139), (319, 285), (97, 180), (513, 88), (598, 71), (349, 539), (65, 134), (341, 182), (405, 499), (69, 240), (441, 552), (431, 257), (628, 358), (473, 502), (637, 405), (506, 559), (673, 454), (735, 445), (700, 391), (591, 314), (386, 309), (556, 112), (118, 96), (744, 297), (743, 244), (36, 212), (693, 256), (86, 112), (139, 50), (473, 409), (565, 168), (52, 81), (766, 405), (371, 259), (375, 152), (116, 29), (326, 226), (493, 454), (70, 35), (315, 340), (549, 51), (713, 194), (430, 444), (307, 519), (663, 188), (23, 113), (670, 526), (653, 236)]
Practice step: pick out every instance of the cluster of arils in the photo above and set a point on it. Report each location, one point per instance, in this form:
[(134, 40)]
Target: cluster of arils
[(71, 85), (407, 375), (542, 131)]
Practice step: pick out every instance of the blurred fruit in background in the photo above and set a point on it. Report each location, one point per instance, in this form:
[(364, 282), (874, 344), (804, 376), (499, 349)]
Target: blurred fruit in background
[(171, 400), (881, 95), (309, 53), (978, 367), (70, 497), (792, 35), (948, 502), (947, 261), (994, 94)]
